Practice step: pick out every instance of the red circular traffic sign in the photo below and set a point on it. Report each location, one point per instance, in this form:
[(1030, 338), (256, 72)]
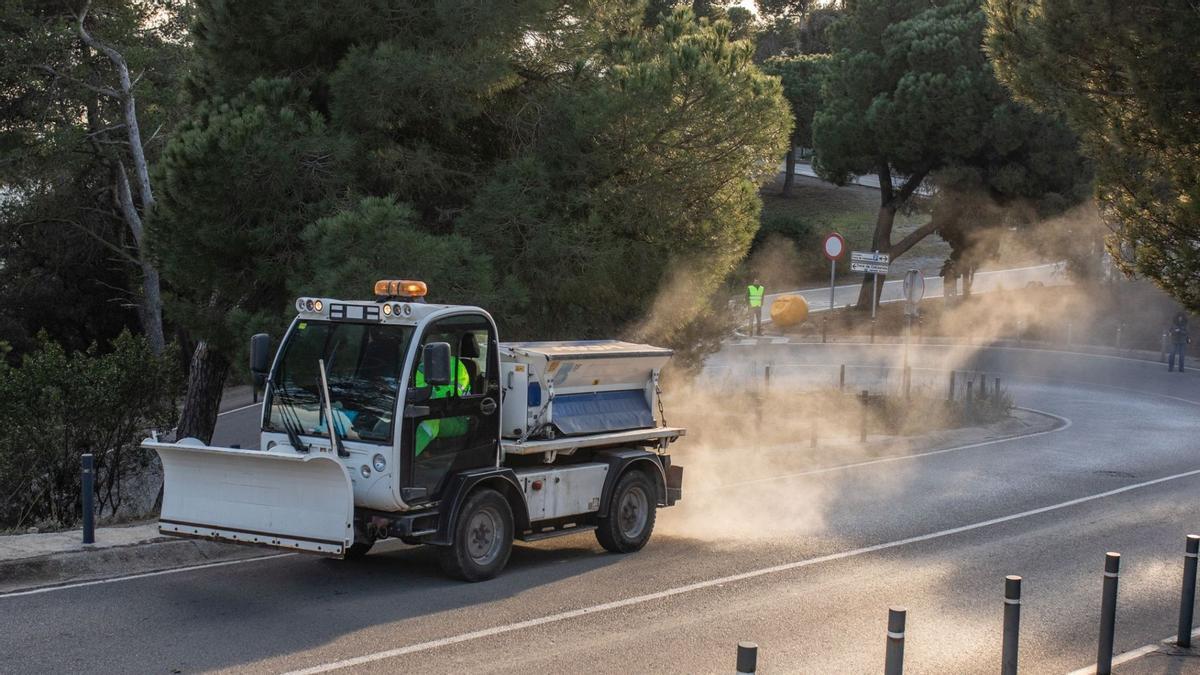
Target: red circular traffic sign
[(834, 246)]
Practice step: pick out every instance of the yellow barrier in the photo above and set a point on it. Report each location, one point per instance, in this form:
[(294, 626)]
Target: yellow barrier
[(789, 310)]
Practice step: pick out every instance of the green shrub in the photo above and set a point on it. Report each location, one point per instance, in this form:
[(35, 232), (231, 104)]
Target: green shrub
[(788, 225), (56, 406)]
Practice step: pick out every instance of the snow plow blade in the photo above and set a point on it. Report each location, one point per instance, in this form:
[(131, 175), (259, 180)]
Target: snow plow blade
[(287, 500)]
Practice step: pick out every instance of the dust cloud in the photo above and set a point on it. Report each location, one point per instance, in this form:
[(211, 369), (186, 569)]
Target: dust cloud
[(756, 457), (744, 438)]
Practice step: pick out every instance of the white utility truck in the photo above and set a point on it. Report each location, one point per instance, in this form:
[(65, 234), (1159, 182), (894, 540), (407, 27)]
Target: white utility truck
[(397, 418)]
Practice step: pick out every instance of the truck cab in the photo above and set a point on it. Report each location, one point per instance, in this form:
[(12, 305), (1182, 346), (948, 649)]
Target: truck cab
[(383, 418)]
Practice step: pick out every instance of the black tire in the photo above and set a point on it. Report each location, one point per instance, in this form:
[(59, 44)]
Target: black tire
[(482, 538), (358, 550), (627, 525)]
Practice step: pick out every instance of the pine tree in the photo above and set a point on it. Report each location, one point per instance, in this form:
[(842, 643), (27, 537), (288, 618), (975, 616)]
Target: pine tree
[(1125, 76), (555, 160)]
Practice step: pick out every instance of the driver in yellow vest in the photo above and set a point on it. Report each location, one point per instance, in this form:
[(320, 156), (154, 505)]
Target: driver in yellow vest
[(754, 295), (448, 427)]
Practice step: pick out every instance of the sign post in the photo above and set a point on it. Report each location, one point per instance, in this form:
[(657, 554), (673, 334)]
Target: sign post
[(914, 292), (873, 263), (834, 248), (875, 294)]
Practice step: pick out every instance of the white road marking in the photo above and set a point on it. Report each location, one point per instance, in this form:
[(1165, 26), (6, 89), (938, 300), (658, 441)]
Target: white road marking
[(679, 590), (143, 575), (1066, 424), (1132, 654)]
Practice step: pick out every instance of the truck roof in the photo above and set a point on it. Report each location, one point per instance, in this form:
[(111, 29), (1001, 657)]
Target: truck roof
[(587, 349)]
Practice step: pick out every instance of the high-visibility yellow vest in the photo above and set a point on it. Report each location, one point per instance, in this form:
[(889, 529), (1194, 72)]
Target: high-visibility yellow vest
[(444, 427), (755, 294), (461, 386)]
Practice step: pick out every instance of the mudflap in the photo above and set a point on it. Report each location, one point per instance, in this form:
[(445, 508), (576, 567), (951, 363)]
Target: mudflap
[(278, 498)]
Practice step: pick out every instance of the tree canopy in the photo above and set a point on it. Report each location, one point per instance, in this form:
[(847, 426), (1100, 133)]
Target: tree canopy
[(802, 78), (71, 195), (1124, 75), (911, 95), (552, 160)]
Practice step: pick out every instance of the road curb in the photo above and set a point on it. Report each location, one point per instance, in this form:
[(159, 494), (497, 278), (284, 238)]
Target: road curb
[(89, 565)]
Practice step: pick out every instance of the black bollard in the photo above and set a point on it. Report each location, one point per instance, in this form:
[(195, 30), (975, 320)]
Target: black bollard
[(894, 661), (996, 387), (767, 376), (747, 658), (842, 378), (982, 387), (88, 483), (1187, 599), (1108, 613), (1012, 624)]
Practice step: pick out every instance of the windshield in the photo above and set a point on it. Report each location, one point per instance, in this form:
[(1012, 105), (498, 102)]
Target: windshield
[(363, 363)]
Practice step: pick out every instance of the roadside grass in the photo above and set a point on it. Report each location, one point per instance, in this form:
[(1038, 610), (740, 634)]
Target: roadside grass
[(787, 250)]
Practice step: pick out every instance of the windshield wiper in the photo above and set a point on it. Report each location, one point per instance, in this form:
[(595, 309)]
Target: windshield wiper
[(288, 417), (334, 439)]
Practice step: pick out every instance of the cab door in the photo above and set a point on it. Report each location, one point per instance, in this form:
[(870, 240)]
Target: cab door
[(454, 427)]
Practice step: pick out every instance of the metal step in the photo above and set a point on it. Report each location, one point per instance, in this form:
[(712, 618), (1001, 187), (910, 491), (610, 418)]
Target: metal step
[(538, 536)]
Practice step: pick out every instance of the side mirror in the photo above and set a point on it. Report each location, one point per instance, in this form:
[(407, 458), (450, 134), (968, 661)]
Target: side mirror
[(436, 363), (260, 357)]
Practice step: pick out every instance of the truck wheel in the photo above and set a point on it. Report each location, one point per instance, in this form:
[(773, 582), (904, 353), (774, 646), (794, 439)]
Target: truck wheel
[(630, 519), (358, 550), (483, 538)]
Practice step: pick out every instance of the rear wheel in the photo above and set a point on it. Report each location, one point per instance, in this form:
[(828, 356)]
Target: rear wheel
[(630, 517), (483, 538)]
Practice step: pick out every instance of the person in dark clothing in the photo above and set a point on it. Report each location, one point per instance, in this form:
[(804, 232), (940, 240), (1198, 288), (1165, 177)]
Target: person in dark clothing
[(1179, 341)]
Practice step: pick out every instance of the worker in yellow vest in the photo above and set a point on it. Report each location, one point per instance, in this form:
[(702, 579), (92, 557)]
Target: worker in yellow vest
[(754, 295), (445, 427)]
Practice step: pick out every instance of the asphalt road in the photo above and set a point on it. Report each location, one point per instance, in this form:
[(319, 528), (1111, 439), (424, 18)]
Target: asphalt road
[(935, 533)]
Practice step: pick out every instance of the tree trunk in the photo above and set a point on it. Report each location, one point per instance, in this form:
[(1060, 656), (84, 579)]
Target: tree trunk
[(202, 401), (789, 172), (881, 241), (150, 304), (150, 300), (889, 200)]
